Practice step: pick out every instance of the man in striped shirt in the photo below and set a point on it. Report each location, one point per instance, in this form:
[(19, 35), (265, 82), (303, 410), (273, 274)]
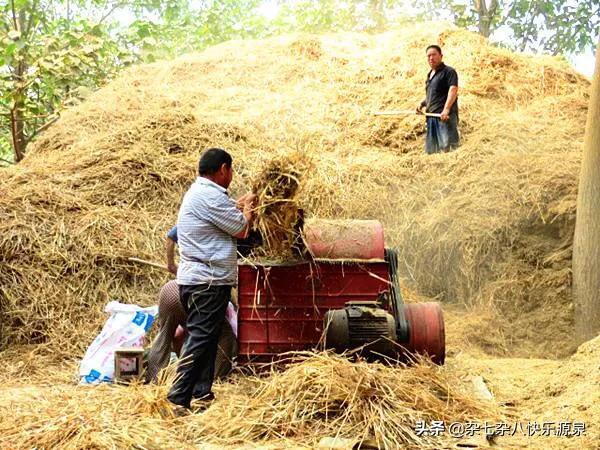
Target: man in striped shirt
[(207, 227), (171, 315)]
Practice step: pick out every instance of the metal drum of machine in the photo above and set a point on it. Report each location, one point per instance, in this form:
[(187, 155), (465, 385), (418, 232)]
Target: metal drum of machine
[(345, 296)]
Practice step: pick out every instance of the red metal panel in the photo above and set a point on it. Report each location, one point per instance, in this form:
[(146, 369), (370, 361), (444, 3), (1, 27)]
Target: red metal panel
[(252, 311), (282, 306)]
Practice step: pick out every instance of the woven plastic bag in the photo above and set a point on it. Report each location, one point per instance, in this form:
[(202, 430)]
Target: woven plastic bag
[(126, 327)]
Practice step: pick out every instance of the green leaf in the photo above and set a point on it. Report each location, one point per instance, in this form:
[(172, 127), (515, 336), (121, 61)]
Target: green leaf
[(10, 49)]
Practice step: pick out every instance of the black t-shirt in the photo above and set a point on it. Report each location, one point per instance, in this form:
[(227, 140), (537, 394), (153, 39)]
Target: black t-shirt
[(436, 89)]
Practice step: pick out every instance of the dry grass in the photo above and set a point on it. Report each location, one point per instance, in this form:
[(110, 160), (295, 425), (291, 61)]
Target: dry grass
[(320, 395), (490, 223)]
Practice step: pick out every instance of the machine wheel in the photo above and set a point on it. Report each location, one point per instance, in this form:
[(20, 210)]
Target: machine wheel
[(426, 330), (226, 352)]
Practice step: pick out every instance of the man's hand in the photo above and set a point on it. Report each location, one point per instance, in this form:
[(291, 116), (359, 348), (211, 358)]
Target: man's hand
[(420, 109), (241, 202), (452, 94), (251, 199), (247, 204)]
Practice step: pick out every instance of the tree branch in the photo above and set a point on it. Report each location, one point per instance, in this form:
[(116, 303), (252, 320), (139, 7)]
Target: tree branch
[(14, 14), (31, 17), (6, 161), (25, 119), (492, 9), (482, 7), (43, 127), (112, 10)]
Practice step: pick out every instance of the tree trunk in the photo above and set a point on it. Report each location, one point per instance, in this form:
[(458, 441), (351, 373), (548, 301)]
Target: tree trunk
[(17, 114), (586, 242), (377, 14), (19, 140), (486, 14), (484, 27)]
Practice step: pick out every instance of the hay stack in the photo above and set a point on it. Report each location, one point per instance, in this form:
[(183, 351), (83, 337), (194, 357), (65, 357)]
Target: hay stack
[(490, 223)]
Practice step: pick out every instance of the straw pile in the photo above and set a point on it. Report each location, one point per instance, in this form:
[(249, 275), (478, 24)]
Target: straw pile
[(488, 224), (321, 395)]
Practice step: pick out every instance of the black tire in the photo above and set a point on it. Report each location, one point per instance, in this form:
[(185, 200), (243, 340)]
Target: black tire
[(226, 352)]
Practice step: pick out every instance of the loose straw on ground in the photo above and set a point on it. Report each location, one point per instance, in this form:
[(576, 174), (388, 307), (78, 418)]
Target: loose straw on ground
[(319, 395)]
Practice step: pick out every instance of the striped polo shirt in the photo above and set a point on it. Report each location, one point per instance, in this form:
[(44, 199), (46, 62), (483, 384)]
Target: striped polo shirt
[(207, 221)]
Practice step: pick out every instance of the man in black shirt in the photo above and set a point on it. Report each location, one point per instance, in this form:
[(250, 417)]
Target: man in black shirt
[(441, 88)]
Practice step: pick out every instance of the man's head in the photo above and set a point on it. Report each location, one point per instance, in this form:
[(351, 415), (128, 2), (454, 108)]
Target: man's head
[(215, 164), (434, 56)]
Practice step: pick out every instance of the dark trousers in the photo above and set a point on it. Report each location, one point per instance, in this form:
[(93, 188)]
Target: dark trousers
[(205, 307)]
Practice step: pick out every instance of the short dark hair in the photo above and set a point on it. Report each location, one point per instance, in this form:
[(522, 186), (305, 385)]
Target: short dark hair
[(212, 160), (437, 47)]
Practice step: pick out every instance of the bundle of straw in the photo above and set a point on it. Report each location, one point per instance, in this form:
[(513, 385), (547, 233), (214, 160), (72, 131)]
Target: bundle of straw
[(278, 188), (324, 394)]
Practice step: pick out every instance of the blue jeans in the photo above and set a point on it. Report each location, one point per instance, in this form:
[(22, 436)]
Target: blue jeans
[(441, 136)]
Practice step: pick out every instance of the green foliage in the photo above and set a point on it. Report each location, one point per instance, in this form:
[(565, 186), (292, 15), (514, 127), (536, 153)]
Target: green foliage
[(6, 154), (336, 15), (552, 26), (462, 13), (47, 57), (315, 16), (182, 28), (53, 50)]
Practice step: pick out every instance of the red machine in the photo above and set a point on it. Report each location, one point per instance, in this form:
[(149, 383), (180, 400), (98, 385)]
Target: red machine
[(346, 296)]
